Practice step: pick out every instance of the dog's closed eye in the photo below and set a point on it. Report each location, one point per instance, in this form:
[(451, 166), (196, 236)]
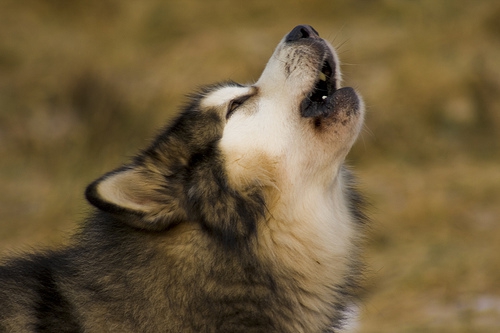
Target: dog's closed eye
[(236, 103)]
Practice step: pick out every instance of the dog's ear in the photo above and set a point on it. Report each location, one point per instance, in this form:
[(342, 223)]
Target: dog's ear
[(141, 197)]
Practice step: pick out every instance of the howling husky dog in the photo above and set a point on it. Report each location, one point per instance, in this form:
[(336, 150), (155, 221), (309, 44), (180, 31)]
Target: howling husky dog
[(239, 217)]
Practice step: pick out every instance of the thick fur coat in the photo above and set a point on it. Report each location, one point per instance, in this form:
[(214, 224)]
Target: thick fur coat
[(239, 217)]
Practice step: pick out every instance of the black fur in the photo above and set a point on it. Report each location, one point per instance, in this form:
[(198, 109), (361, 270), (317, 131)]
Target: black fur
[(53, 311), (36, 280)]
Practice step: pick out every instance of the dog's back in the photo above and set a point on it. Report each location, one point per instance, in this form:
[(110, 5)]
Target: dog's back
[(30, 298), (128, 281)]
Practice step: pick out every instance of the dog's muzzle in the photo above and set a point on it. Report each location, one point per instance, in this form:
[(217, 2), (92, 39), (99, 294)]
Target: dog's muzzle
[(324, 97)]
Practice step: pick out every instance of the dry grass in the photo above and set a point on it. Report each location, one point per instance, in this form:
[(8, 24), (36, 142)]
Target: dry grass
[(84, 84)]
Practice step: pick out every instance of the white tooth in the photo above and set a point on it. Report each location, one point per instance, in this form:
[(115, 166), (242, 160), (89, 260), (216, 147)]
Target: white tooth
[(322, 76), (324, 97)]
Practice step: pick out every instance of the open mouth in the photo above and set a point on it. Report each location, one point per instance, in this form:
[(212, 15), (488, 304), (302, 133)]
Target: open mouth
[(318, 101)]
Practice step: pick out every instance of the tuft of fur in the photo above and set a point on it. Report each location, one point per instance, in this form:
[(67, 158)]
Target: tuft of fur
[(239, 217)]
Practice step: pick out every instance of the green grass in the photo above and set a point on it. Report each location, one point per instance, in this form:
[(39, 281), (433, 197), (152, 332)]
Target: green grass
[(84, 84)]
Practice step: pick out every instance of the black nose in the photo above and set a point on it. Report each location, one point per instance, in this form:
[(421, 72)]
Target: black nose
[(301, 31)]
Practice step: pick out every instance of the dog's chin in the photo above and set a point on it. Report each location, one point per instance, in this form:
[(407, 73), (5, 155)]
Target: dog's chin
[(343, 102)]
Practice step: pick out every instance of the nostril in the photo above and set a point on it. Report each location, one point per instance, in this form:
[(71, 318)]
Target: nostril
[(300, 32)]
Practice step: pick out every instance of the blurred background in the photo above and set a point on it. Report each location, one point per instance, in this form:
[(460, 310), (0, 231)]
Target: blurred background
[(85, 83)]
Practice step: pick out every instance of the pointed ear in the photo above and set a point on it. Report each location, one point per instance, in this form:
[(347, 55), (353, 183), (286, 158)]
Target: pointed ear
[(142, 198)]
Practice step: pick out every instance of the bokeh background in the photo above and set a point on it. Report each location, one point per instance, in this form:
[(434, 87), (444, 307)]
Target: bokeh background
[(85, 83)]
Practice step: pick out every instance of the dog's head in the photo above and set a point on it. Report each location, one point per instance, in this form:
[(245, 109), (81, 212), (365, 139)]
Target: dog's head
[(235, 145)]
